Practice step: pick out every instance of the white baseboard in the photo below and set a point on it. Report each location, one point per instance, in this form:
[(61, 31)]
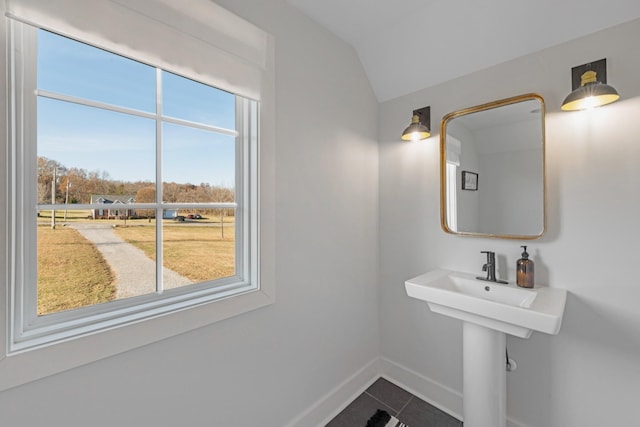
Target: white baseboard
[(331, 404), (442, 397)]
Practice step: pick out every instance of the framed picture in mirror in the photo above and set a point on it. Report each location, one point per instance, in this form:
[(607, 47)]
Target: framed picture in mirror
[(469, 181)]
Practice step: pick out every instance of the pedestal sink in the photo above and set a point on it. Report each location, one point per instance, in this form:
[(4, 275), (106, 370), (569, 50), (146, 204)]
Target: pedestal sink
[(488, 311)]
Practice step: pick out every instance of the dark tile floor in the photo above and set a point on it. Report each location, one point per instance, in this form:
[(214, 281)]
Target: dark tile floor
[(398, 402)]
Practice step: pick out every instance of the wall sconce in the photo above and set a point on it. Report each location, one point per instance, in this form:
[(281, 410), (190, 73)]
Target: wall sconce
[(420, 125), (590, 88)]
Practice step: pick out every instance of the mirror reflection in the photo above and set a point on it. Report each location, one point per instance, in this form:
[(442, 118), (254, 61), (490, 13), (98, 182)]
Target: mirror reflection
[(492, 169)]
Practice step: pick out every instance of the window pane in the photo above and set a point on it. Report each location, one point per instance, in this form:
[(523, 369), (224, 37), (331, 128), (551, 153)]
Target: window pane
[(198, 246), (93, 156), (198, 165), (189, 100), (97, 151), (73, 68), (90, 262), (71, 271)]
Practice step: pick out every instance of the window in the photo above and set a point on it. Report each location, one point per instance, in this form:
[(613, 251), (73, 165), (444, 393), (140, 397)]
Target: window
[(142, 190), (132, 176), (452, 204), (454, 153)]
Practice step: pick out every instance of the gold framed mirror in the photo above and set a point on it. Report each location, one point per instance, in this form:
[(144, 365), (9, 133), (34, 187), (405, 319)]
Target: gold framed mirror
[(492, 169)]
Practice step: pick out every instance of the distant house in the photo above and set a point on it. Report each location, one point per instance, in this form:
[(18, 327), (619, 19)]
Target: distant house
[(115, 206)]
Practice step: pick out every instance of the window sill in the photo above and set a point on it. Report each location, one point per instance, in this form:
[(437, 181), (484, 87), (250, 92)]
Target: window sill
[(24, 367)]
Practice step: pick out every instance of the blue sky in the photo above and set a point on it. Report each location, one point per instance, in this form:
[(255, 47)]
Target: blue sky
[(123, 145)]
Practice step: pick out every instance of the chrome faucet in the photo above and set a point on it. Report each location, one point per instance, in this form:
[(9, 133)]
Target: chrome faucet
[(490, 268)]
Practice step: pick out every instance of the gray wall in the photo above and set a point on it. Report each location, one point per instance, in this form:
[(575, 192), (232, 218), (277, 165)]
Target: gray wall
[(330, 320), (265, 367), (589, 374)]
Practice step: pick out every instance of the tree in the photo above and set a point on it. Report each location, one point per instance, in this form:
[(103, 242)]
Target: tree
[(46, 168), (147, 195), (82, 184)]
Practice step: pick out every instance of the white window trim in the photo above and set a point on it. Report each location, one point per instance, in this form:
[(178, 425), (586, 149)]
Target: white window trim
[(164, 33), (454, 153), (452, 203), (21, 367)]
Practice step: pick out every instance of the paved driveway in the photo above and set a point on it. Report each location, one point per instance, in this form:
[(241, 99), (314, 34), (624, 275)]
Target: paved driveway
[(135, 272)]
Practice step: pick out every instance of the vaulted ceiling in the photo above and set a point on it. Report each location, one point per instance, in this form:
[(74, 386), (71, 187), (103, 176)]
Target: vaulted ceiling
[(408, 45)]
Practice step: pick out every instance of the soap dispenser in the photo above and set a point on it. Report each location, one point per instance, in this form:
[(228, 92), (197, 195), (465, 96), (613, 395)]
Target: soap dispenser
[(524, 270)]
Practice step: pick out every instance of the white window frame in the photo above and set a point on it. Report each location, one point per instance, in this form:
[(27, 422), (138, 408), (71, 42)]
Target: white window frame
[(76, 343), (452, 199), (454, 153)]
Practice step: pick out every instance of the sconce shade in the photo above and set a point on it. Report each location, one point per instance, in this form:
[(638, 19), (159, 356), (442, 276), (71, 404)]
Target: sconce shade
[(415, 131), (591, 93), (419, 127)]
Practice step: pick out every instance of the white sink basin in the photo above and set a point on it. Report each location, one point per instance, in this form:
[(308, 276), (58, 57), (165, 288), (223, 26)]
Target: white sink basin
[(506, 308)]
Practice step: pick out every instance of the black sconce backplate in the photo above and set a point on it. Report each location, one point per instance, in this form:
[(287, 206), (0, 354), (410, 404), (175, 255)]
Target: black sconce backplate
[(425, 115), (600, 67)]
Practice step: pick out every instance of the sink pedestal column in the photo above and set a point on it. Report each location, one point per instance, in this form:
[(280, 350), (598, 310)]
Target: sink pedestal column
[(484, 377)]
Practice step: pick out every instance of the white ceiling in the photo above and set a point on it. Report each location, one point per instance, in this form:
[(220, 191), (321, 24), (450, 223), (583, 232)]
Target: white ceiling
[(408, 45)]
